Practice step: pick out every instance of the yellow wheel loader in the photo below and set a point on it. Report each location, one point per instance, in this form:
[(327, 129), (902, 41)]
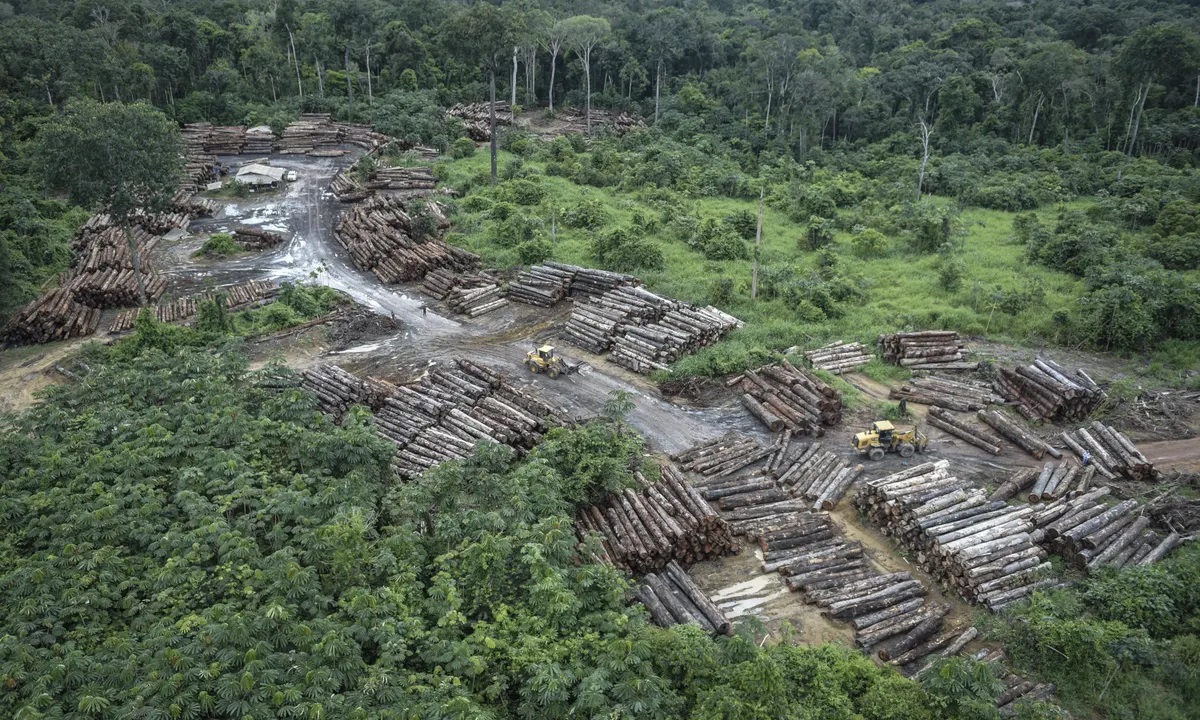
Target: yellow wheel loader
[(883, 437), (545, 360)]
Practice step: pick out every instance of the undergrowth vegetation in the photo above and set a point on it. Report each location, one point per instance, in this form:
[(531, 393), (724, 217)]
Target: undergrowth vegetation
[(843, 255)]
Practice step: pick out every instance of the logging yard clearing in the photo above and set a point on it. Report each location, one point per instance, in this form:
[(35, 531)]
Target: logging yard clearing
[(428, 323)]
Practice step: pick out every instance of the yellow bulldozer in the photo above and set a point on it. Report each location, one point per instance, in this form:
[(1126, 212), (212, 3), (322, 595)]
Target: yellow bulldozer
[(883, 437), (545, 360)]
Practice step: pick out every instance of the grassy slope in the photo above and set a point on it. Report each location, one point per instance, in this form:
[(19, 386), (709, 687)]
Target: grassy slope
[(902, 288)]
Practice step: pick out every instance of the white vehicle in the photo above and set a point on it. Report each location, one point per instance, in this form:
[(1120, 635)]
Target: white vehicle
[(291, 176)]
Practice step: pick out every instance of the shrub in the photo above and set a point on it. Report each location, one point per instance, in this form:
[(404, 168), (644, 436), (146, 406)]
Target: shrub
[(532, 252), (742, 222), (625, 250), (868, 243), (819, 232), (721, 291), (462, 148), (589, 214), (521, 192), (476, 204), (219, 245), (726, 246)]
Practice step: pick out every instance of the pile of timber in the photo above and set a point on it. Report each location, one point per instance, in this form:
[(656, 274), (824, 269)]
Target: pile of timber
[(540, 285), (663, 521), (474, 302), (680, 332), (619, 122), (475, 118), (1111, 452), (56, 315), (950, 423), (311, 131), (197, 172), (214, 139), (887, 611), (378, 235), (401, 178), (590, 281), (253, 238), (957, 394), (723, 456), (1022, 438), (1044, 391), (1056, 480), (441, 417), (346, 188), (186, 307), (818, 476), (115, 287), (983, 550), (673, 598), (1090, 534), (785, 396), (258, 141), (840, 357), (101, 249), (439, 282), (925, 350), (593, 327)]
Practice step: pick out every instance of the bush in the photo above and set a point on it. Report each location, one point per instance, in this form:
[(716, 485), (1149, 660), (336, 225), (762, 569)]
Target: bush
[(819, 232), (726, 246), (589, 214), (625, 250), (532, 252), (462, 148), (219, 245), (521, 192), (743, 222), (721, 291), (868, 243)]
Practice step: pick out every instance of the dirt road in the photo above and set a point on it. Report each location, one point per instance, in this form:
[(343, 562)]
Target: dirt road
[(1173, 454)]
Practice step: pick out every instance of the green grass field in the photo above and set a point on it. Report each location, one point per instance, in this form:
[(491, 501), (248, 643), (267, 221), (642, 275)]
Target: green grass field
[(900, 288)]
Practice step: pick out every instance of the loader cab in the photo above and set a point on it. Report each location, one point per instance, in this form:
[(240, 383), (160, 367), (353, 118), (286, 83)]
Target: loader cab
[(546, 353), (885, 430)]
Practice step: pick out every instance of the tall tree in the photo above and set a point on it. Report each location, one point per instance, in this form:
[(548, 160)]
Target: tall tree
[(1166, 52), (483, 34), (554, 40), (115, 158), (664, 34), (585, 32)]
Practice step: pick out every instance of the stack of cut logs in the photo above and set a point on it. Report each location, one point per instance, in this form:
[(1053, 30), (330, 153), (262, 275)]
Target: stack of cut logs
[(723, 456), (663, 521), (346, 188), (56, 315), (593, 327), (681, 331), (840, 357), (476, 118), (401, 178), (926, 350), (253, 238), (184, 308), (439, 282), (307, 133), (378, 235), (982, 549), (106, 249), (258, 141), (1054, 481), (960, 394), (441, 417), (540, 285), (474, 302), (1019, 436), (214, 140), (645, 330), (590, 281), (673, 598), (1111, 452), (115, 287), (818, 476), (1090, 535), (1044, 391), (785, 396), (620, 122), (948, 422)]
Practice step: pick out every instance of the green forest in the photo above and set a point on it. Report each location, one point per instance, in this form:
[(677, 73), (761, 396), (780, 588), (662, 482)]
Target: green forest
[(187, 538)]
